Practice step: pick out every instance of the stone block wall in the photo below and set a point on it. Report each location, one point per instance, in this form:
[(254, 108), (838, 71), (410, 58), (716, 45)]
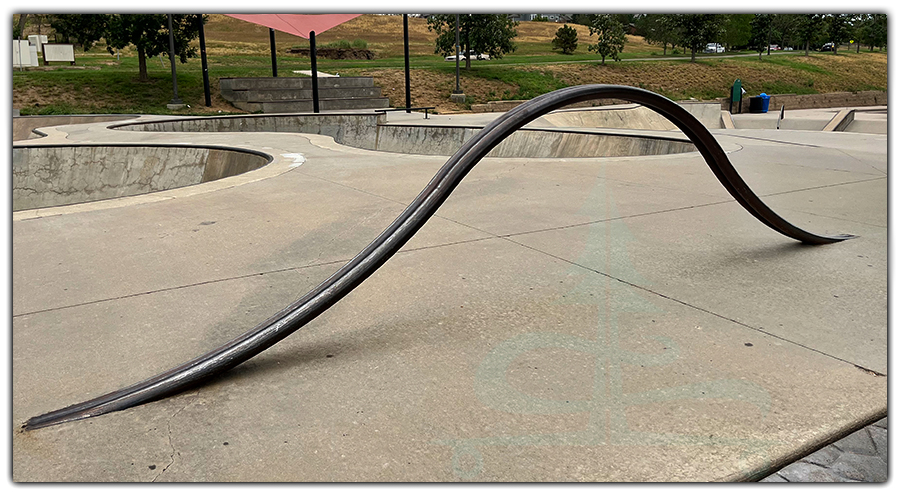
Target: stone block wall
[(816, 101)]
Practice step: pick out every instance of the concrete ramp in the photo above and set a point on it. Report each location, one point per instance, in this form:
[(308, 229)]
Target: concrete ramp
[(24, 126), (49, 176), (630, 116)]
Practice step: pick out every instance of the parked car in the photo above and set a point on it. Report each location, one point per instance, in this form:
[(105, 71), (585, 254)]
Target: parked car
[(713, 48), (774, 47), (828, 47)]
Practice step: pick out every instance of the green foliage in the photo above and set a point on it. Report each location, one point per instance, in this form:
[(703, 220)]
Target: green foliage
[(872, 30), (658, 29), (566, 40), (738, 30), (809, 28), (838, 29), (85, 29), (794, 63), (359, 43), (490, 34), (582, 19), (696, 30), (150, 34), (610, 37), (760, 27)]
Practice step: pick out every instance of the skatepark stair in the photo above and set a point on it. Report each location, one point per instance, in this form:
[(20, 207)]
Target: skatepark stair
[(294, 94)]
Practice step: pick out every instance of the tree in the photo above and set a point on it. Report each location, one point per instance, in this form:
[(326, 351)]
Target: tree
[(149, 33), (809, 28), (738, 30), (19, 28), (873, 31), (490, 34), (760, 28), (85, 29), (658, 28), (610, 37), (566, 40), (696, 30), (838, 29), (786, 29), (582, 19)]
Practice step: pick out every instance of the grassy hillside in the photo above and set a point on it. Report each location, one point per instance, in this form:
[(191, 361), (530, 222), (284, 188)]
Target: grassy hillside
[(103, 83)]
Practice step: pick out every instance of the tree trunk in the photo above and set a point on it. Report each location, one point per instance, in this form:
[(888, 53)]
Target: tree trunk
[(665, 44), (807, 48), (142, 64), (466, 52), (22, 18), (693, 54)]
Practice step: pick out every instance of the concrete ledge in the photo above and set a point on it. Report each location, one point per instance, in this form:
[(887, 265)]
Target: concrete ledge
[(727, 122), (840, 121)]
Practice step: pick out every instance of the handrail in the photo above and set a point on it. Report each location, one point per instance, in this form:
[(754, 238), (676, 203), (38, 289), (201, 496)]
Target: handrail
[(348, 277)]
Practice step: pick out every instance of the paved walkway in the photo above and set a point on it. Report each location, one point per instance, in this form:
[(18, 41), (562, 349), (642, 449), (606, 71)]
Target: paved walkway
[(859, 457), (620, 319)]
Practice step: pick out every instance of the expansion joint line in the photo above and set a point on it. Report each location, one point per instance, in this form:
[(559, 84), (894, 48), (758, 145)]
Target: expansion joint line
[(389, 242)]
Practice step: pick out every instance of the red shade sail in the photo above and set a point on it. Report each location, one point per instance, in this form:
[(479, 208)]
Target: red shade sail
[(296, 24)]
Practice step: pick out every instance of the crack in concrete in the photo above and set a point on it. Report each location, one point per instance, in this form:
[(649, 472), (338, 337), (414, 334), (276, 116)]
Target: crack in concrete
[(169, 434)]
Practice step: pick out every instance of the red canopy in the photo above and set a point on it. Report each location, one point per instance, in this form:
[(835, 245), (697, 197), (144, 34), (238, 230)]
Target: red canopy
[(296, 24)]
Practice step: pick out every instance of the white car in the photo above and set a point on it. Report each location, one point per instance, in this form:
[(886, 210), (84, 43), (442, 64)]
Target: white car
[(713, 48)]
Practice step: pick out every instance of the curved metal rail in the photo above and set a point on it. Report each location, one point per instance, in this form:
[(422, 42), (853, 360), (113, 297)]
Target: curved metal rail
[(318, 300)]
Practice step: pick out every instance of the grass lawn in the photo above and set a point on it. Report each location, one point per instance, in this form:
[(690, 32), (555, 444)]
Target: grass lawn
[(104, 83)]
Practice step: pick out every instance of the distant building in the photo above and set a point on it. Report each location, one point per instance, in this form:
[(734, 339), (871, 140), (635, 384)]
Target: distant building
[(555, 18)]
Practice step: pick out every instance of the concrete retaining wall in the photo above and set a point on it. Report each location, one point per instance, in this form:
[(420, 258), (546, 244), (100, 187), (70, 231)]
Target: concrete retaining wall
[(23, 126), (48, 176), (359, 128), (366, 131), (529, 143), (615, 113), (631, 116)]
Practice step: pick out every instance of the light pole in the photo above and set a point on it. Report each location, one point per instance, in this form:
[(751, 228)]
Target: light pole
[(457, 95), (406, 60), (204, 64), (175, 103)]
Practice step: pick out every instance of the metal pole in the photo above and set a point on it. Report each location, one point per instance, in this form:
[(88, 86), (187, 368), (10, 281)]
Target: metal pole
[(204, 65), (175, 100), (272, 49), (457, 56), (406, 59), (315, 73)]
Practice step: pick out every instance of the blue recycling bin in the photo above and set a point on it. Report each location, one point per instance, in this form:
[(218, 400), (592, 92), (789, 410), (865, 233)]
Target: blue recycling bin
[(759, 104)]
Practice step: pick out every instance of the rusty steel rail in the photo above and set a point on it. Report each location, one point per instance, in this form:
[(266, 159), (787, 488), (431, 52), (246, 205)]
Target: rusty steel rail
[(318, 300)]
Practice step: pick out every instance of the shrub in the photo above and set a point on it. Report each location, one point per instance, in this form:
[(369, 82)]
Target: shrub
[(566, 40)]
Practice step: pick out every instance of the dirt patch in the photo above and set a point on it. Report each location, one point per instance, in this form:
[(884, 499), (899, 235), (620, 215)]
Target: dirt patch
[(430, 88)]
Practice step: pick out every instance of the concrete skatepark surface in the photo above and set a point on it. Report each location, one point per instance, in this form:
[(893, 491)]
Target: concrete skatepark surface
[(565, 319)]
